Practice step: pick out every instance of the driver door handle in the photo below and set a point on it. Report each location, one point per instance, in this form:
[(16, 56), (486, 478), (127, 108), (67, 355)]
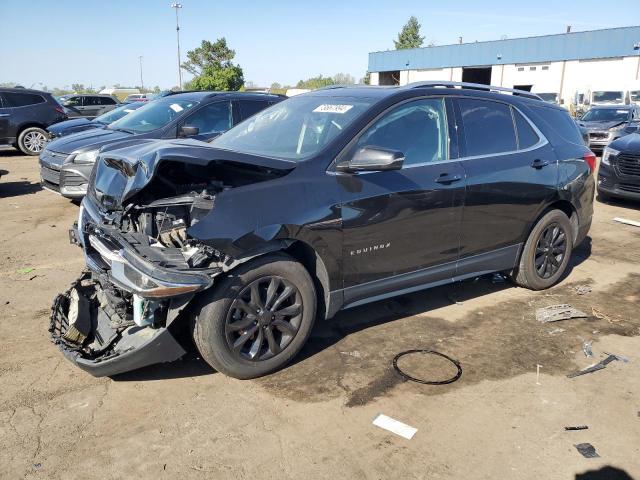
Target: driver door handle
[(447, 179), (538, 164)]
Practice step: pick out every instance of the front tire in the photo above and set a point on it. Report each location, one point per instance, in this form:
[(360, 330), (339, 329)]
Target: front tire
[(546, 253), (257, 318), (32, 140)]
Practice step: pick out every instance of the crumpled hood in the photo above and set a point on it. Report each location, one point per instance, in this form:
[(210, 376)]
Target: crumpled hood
[(122, 172), (93, 138), (600, 125)]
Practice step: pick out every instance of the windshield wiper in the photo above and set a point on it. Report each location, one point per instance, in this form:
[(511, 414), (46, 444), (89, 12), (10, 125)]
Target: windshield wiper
[(125, 130)]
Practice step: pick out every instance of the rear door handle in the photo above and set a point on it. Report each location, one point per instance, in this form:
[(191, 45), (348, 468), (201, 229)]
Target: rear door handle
[(447, 179), (537, 163)]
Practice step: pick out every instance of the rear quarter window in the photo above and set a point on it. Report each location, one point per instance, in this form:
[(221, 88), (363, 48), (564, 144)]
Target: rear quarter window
[(22, 99), (560, 123), (488, 127)]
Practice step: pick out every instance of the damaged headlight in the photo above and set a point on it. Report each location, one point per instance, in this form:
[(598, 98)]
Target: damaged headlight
[(85, 158), (607, 154)]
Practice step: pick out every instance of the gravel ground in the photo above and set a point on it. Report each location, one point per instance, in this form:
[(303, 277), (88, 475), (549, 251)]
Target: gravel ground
[(313, 419)]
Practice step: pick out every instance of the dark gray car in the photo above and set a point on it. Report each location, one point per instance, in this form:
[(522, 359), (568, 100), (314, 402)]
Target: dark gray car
[(607, 123), (67, 162), (89, 105)]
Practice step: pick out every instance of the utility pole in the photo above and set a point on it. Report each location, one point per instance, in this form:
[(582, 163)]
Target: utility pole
[(141, 81), (178, 6)]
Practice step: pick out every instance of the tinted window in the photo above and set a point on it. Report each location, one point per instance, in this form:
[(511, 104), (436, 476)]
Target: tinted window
[(22, 99), (105, 101), (215, 117), (249, 108), (153, 115), (73, 102), (418, 129), (527, 137), (488, 127), (559, 121), (606, 115)]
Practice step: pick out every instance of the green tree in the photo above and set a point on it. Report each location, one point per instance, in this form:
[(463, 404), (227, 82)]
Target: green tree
[(77, 87), (409, 37), (343, 79), (212, 68), (366, 80), (316, 82)]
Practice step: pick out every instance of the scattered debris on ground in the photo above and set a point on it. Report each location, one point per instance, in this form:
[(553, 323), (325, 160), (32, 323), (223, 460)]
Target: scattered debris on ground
[(586, 348), (556, 330), (583, 289), (355, 354), (395, 426), (427, 382), (626, 221), (600, 365), (587, 450), (555, 313), (576, 427), (25, 270)]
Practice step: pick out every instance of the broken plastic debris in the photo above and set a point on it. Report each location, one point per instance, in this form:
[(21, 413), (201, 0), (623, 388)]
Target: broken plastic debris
[(600, 365), (355, 353), (583, 289), (626, 221), (576, 427), (586, 348), (25, 270), (395, 426), (555, 313), (555, 330), (587, 450)]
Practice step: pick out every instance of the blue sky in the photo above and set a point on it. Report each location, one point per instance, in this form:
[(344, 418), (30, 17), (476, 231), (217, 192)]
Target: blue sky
[(98, 42)]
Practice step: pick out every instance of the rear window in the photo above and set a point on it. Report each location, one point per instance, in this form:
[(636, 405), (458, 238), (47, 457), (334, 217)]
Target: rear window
[(22, 99), (249, 108), (488, 127), (560, 123)]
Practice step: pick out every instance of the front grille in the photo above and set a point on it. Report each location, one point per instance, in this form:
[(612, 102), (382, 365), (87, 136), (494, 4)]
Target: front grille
[(629, 164), (598, 135), (629, 187), (50, 175), (70, 179)]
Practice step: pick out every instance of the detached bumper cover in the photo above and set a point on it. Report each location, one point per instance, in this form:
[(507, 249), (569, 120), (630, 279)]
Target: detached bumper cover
[(99, 343)]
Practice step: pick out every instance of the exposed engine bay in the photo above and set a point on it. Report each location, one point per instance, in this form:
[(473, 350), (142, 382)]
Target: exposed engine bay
[(144, 266)]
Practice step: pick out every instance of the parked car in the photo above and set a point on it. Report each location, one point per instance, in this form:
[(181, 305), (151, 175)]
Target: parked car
[(136, 97), (619, 172), (66, 163), (76, 125), (549, 97), (88, 105), (608, 123), (328, 200), (24, 116)]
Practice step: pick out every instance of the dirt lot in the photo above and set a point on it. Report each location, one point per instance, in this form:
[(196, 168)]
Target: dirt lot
[(313, 420)]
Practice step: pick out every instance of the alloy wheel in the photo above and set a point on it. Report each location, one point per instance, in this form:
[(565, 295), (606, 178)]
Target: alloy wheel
[(263, 319), (550, 250), (35, 141)]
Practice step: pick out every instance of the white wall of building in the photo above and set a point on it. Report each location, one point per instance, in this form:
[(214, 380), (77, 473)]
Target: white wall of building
[(579, 75)]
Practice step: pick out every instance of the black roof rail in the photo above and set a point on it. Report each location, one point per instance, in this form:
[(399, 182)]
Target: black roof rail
[(474, 86)]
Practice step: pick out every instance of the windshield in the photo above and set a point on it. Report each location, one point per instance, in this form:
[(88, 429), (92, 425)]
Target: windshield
[(116, 113), (153, 115), (606, 115), (548, 97), (294, 129), (607, 97)]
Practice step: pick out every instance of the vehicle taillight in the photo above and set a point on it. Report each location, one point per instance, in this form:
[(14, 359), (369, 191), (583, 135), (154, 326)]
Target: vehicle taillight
[(60, 110), (590, 158)]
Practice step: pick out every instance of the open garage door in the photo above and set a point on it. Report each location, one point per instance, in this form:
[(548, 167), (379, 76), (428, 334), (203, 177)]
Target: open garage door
[(477, 75)]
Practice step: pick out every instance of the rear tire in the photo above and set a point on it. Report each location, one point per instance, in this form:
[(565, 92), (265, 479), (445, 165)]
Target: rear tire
[(546, 253), (265, 309), (32, 140)]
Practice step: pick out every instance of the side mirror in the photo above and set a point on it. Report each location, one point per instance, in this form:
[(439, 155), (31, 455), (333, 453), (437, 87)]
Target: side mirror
[(186, 131), (372, 159)]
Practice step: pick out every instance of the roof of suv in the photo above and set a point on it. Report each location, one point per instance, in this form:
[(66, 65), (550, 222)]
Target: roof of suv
[(201, 95), (23, 90), (615, 107)]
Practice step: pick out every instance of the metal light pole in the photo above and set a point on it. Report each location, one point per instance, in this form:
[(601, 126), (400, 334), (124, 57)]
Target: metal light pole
[(141, 81), (177, 6)]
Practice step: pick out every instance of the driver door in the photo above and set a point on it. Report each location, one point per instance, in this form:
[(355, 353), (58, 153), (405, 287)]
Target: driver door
[(401, 228)]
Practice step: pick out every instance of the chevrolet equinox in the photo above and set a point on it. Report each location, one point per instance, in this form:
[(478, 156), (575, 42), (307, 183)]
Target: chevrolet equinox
[(325, 201)]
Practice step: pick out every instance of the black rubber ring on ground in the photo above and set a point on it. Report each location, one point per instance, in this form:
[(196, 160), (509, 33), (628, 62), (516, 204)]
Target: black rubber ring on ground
[(427, 382)]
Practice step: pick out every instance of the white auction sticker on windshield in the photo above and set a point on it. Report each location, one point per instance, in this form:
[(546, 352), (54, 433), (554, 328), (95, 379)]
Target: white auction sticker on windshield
[(328, 108), (176, 108)]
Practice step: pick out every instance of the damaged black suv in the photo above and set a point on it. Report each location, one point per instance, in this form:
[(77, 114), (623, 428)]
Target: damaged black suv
[(326, 201)]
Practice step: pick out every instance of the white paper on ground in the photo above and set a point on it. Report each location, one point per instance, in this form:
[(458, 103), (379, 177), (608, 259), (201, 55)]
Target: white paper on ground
[(395, 426)]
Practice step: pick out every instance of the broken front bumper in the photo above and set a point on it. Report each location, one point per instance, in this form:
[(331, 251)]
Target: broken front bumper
[(98, 340)]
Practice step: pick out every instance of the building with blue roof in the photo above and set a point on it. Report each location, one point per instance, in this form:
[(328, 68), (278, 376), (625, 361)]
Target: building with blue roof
[(568, 67)]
